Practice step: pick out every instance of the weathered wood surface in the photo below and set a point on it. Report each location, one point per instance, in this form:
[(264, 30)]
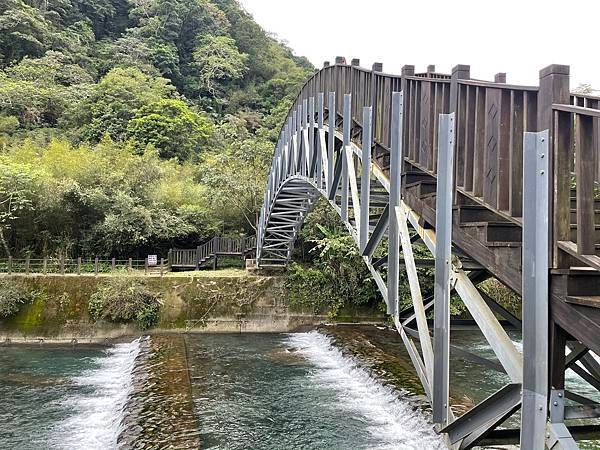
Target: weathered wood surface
[(491, 119)]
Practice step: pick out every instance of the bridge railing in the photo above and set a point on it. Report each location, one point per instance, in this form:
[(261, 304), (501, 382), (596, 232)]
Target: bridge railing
[(491, 118), (76, 266), (238, 246)]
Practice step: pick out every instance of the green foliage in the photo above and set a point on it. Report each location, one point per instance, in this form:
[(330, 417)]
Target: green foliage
[(104, 200), (172, 127), (217, 60), (13, 295), (338, 276), (9, 124), (116, 99), (237, 174), (125, 299), (131, 126)]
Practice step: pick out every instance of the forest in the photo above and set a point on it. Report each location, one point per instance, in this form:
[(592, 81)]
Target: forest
[(130, 126)]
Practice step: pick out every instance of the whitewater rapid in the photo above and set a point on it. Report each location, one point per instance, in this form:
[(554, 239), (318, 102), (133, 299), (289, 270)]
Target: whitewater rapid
[(98, 405), (391, 420)]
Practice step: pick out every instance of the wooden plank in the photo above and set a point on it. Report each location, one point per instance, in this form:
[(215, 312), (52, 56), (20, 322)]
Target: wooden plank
[(426, 125), (563, 155), (479, 143), (503, 151), (470, 131), (584, 172), (589, 112), (461, 123), (517, 125), (492, 142)]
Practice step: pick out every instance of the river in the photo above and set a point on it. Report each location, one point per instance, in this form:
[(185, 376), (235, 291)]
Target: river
[(336, 388)]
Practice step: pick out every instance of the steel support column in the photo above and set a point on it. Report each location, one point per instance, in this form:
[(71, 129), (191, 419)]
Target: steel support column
[(443, 229), (395, 184), (346, 143), (535, 290)]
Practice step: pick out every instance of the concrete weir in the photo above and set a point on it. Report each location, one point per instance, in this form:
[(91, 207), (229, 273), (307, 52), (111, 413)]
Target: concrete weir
[(160, 407)]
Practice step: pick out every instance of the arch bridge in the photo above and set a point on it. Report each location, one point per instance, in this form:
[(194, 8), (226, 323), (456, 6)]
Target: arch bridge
[(496, 180)]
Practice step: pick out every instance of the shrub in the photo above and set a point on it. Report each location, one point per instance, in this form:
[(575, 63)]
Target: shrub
[(13, 295), (124, 299)]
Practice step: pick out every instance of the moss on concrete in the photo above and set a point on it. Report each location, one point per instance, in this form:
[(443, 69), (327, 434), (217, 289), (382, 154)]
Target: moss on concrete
[(220, 302)]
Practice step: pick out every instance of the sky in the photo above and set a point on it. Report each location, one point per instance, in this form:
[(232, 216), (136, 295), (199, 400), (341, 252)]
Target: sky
[(518, 37)]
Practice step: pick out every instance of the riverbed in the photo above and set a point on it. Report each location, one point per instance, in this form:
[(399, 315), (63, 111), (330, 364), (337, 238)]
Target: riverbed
[(332, 388)]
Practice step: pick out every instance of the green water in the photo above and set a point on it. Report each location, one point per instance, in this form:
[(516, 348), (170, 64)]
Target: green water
[(340, 388)]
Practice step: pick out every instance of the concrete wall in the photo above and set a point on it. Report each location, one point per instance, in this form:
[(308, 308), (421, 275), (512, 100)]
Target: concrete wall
[(190, 304)]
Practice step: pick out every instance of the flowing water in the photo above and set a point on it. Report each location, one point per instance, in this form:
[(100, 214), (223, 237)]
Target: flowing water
[(336, 388)]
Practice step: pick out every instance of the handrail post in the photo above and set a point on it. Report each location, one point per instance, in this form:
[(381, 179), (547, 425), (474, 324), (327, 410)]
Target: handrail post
[(113, 265), (45, 266), (79, 265), (62, 264), (407, 71), (10, 261), (129, 265), (459, 72), (27, 262), (554, 88), (96, 266)]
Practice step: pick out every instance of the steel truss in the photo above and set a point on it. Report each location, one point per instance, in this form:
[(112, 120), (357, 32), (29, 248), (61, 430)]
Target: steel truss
[(314, 159)]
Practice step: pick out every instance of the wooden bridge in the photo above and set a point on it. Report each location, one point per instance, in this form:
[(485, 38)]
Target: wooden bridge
[(496, 180), (209, 252)]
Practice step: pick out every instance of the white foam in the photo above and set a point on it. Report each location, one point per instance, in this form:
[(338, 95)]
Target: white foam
[(391, 421), (98, 411)]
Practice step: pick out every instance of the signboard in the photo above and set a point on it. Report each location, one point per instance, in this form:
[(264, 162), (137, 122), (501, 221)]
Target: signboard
[(152, 260)]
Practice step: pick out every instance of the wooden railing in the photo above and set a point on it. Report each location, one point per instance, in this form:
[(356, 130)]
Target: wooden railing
[(490, 120), (215, 246), (75, 266)]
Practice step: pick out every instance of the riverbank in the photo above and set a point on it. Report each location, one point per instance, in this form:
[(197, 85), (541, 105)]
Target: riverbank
[(197, 302)]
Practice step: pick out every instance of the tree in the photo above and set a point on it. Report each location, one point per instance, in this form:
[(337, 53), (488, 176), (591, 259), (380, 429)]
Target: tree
[(238, 173), (23, 31), (116, 99), (38, 91), (217, 60), (17, 194), (172, 127)]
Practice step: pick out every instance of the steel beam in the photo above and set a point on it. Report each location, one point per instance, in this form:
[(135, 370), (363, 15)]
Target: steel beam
[(443, 228), (378, 232), (486, 412)]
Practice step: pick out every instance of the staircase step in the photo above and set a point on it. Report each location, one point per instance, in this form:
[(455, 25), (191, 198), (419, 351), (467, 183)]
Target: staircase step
[(590, 300), (476, 213)]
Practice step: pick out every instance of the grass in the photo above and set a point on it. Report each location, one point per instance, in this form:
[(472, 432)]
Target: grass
[(228, 272)]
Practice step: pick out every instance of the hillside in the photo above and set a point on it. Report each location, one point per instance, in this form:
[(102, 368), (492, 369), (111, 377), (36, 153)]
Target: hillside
[(129, 126)]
